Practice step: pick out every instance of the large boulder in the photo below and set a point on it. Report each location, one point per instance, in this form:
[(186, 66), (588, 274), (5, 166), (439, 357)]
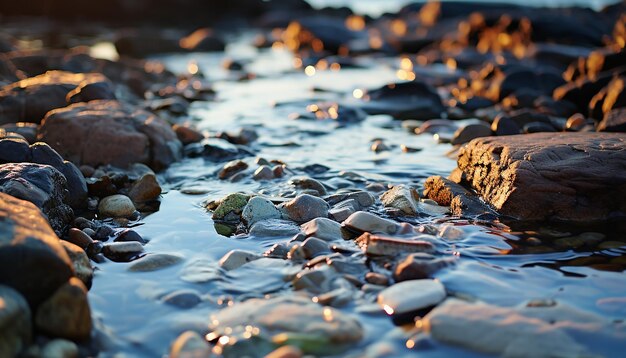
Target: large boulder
[(32, 260), (43, 186), (30, 99), (546, 176), (110, 132)]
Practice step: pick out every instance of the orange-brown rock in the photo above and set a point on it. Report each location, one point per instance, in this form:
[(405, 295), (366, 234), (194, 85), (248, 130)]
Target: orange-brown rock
[(547, 176), (30, 99)]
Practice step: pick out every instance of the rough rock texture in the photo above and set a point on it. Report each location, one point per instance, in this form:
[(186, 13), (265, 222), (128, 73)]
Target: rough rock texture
[(461, 201), (566, 176), (110, 132), (401, 197), (32, 260), (30, 99), (43, 186)]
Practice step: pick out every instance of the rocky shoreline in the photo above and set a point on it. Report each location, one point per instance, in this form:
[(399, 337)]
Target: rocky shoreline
[(531, 100)]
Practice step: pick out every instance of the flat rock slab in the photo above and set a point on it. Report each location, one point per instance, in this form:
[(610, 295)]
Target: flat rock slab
[(548, 176)]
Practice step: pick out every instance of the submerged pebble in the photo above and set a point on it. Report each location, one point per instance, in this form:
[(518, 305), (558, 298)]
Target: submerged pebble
[(305, 207), (410, 296)]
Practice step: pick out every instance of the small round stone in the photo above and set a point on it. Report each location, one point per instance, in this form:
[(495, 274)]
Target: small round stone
[(116, 206), (305, 208)]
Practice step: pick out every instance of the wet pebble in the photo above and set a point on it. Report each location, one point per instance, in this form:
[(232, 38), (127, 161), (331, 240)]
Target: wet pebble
[(79, 238), (403, 198), (187, 135), (231, 168), (236, 258), (279, 251), (363, 198), (362, 221), (144, 189), (182, 299), (341, 213), (304, 183), (313, 247), (419, 266), (576, 122), (387, 246), (316, 281), (121, 250), (263, 172), (258, 209), (129, 235), (411, 296), (153, 262), (94, 248), (116, 206), (323, 228), (305, 207), (274, 228)]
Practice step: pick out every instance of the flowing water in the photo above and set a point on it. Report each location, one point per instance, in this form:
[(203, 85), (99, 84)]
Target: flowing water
[(495, 263)]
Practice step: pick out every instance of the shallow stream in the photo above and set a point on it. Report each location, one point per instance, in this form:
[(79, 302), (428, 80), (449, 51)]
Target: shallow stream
[(496, 264)]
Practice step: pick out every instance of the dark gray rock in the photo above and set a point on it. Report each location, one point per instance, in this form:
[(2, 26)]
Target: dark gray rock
[(43, 186), (408, 100)]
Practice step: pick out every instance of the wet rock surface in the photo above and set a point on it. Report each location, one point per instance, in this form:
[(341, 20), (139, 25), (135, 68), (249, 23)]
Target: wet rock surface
[(110, 132), (576, 177), (43, 186)]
